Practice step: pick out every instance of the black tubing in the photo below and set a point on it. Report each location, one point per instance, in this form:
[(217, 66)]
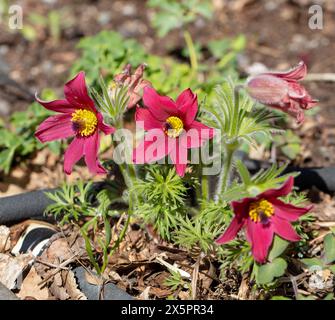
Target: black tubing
[(32, 204), (6, 294), (320, 178), (109, 292), (24, 206)]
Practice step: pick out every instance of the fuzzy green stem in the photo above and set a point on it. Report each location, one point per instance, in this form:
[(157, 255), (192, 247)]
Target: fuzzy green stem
[(204, 189), (223, 182), (227, 168), (192, 51), (124, 230)]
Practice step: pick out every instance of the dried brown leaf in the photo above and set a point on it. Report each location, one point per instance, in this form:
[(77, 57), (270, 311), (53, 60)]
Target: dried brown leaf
[(4, 239), (11, 268), (30, 287)]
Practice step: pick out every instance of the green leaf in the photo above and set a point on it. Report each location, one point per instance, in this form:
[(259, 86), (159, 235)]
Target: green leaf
[(266, 273), (302, 297), (332, 268), (329, 296), (329, 244), (244, 172), (278, 247), (280, 298), (6, 158), (291, 150), (312, 262)]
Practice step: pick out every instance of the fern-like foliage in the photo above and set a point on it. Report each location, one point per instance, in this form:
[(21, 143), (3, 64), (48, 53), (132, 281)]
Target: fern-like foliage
[(112, 102), (236, 115), (251, 186), (70, 202), (201, 230), (162, 200)]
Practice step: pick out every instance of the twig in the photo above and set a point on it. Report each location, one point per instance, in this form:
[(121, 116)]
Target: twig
[(51, 265), (294, 286), (195, 276), (327, 77), (60, 267)]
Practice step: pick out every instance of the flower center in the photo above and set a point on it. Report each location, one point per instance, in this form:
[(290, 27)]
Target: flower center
[(260, 210), (84, 122), (173, 127)]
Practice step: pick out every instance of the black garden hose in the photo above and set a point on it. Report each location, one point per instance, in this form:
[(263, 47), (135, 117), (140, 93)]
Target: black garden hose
[(24, 206), (6, 294), (33, 204)]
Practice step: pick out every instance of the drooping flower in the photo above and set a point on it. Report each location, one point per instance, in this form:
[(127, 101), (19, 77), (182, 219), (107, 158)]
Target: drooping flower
[(77, 118), (134, 82), (171, 125), (282, 91), (263, 217)]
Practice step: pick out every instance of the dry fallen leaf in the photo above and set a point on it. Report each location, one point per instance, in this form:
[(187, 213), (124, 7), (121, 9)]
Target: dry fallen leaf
[(4, 239), (93, 279), (58, 251), (30, 287), (11, 269), (57, 288), (71, 287)]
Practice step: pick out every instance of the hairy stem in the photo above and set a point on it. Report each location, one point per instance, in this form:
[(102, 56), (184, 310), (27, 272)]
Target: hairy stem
[(227, 168), (192, 51), (204, 189)]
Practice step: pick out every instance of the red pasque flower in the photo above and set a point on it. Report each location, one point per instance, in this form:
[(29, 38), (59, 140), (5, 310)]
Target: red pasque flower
[(172, 126), (78, 118), (135, 83), (263, 217), (282, 91)]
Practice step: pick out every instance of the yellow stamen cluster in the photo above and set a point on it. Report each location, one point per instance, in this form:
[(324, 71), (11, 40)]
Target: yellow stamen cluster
[(85, 122), (260, 209), (174, 127)]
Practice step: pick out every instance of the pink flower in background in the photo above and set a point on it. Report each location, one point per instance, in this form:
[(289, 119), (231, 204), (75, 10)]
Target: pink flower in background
[(77, 118), (135, 83), (173, 125), (263, 217), (282, 91)]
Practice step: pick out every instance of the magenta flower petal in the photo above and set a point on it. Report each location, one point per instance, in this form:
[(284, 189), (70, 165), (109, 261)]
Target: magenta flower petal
[(155, 147), (197, 135), (73, 154), (91, 149), (178, 157), (187, 104), (134, 82), (260, 237), (173, 121), (241, 208), (281, 90), (296, 91), (295, 74), (264, 216), (284, 229), (160, 107), (76, 93), (61, 106), (232, 231), (150, 122), (79, 118), (288, 211), (54, 128), (284, 190), (267, 89), (103, 127)]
